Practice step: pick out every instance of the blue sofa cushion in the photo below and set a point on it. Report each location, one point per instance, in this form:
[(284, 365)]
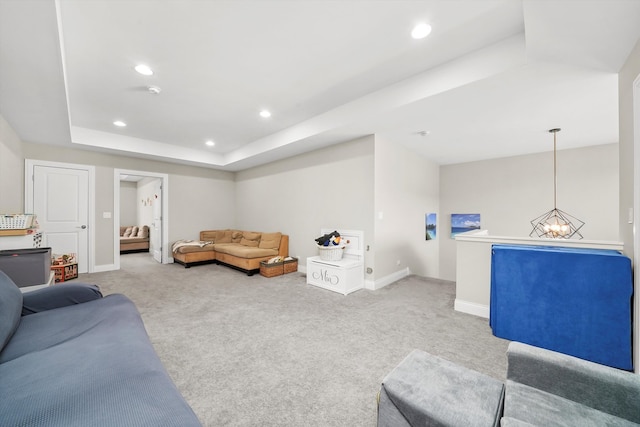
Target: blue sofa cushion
[(10, 308), (87, 364), (58, 296)]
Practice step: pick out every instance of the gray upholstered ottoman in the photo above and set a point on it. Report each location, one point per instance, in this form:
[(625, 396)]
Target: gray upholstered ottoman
[(424, 390)]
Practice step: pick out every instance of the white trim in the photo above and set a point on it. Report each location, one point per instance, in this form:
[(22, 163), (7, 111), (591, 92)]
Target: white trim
[(636, 222), (104, 267), (484, 236), (471, 308), (166, 258), (30, 164), (387, 280)]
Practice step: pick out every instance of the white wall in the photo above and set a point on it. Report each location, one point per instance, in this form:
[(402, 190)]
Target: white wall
[(331, 187), (199, 198), (128, 205), (628, 74), (508, 193), (629, 127), (11, 170), (406, 188), (145, 200)]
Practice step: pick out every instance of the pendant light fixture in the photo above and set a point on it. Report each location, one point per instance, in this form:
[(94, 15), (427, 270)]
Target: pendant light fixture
[(556, 224)]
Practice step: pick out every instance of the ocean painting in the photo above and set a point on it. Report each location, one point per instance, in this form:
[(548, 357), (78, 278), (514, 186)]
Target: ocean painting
[(430, 226), (461, 223)]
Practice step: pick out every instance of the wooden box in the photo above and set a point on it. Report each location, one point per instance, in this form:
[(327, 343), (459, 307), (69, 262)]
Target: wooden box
[(65, 272), (271, 269)]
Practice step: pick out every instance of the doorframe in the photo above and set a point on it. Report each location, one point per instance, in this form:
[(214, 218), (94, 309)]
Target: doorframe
[(636, 222), (166, 259), (30, 164)]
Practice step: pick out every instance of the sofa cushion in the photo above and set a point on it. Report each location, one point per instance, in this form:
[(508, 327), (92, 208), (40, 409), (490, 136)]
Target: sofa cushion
[(143, 232), (250, 239), (270, 240), (537, 407), (236, 236), (208, 235), (129, 240), (127, 232), (89, 364), (428, 390), (10, 308), (242, 251), (223, 236)]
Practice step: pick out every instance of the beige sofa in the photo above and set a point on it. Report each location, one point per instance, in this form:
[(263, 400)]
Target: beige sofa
[(134, 239), (243, 250)]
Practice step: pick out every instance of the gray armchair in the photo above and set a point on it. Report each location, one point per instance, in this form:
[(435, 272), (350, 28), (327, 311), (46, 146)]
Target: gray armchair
[(546, 388)]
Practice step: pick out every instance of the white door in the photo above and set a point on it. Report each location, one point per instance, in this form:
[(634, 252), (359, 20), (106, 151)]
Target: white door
[(155, 233), (61, 203)]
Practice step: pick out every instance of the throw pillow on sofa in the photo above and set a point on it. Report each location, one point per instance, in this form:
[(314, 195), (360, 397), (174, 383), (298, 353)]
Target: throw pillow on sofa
[(250, 239), (127, 232), (270, 241)]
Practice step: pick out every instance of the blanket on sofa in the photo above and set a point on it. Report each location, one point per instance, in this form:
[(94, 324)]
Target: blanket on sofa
[(180, 243)]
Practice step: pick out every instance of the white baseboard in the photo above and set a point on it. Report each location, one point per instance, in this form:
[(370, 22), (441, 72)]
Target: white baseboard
[(387, 280), (104, 267), (472, 308)]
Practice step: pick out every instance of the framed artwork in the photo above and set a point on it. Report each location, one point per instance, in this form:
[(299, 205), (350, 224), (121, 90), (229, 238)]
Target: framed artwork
[(461, 223), (430, 226)]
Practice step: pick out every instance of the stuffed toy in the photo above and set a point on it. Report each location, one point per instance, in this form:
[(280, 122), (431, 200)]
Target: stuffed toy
[(329, 239)]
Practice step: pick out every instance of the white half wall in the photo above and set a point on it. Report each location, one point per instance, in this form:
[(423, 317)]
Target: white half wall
[(508, 193)]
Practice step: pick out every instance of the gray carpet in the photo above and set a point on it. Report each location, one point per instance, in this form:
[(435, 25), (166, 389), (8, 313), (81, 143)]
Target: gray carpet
[(249, 351)]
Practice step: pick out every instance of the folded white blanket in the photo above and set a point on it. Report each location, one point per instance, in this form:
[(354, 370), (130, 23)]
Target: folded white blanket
[(181, 243)]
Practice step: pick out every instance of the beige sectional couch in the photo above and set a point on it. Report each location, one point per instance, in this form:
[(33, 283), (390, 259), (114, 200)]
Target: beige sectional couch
[(134, 239), (243, 250)]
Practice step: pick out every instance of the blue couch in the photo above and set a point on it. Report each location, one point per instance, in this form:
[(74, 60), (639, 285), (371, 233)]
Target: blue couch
[(71, 357), (543, 388)]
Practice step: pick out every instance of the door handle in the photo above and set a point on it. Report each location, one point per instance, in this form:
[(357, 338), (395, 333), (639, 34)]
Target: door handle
[(82, 226)]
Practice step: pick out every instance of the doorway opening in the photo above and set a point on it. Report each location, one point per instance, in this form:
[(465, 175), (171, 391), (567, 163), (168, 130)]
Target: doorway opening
[(141, 199)]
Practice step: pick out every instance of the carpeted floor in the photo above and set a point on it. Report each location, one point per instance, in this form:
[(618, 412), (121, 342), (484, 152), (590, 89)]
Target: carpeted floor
[(249, 351)]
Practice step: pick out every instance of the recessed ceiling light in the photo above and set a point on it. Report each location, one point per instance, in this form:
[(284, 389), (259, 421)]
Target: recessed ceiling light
[(210, 143), (421, 31), (154, 89), (119, 123), (265, 114), (145, 70)]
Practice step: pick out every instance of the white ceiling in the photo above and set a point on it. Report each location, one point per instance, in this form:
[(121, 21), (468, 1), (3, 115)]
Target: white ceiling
[(488, 82)]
